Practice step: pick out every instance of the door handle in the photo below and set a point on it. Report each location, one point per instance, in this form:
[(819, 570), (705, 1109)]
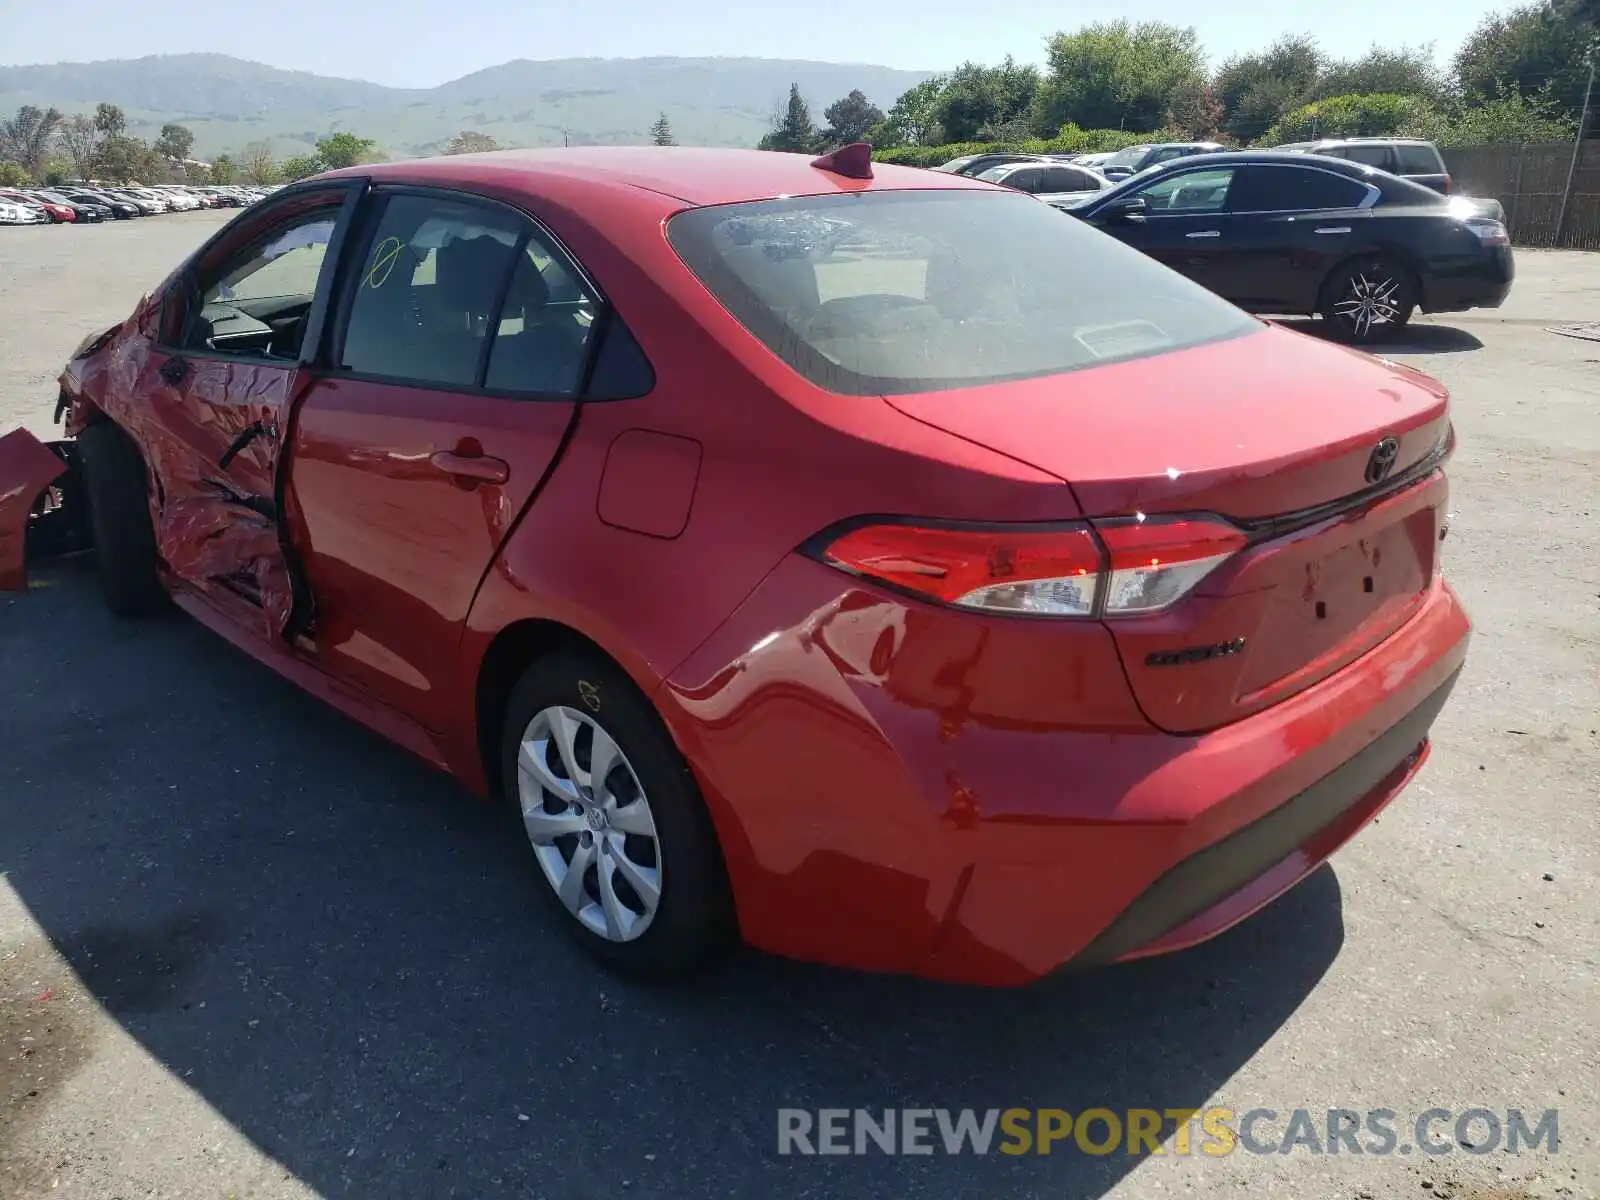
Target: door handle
[(478, 468), (1205, 233), (174, 369), (1332, 229)]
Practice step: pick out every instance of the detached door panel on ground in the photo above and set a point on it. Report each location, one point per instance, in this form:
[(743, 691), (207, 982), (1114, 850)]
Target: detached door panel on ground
[(462, 341)]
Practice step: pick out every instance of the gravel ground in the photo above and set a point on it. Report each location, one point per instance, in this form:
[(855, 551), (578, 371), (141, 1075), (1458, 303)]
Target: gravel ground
[(247, 950)]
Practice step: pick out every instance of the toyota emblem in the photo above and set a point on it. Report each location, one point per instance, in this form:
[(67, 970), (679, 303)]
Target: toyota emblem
[(1382, 459)]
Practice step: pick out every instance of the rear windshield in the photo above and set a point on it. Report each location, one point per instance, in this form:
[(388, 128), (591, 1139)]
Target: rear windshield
[(1131, 157), (893, 292), (1403, 191)]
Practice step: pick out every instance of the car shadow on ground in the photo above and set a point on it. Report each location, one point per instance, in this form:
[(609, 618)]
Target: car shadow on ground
[(346, 957), (1418, 337)]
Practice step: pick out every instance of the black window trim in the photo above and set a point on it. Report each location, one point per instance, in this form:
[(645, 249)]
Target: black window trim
[(367, 220), (1367, 201), (184, 281)]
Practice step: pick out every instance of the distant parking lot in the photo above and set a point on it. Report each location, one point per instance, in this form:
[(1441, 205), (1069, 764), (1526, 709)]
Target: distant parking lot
[(248, 950)]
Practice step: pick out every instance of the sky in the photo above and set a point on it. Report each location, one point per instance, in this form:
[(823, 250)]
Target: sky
[(420, 43)]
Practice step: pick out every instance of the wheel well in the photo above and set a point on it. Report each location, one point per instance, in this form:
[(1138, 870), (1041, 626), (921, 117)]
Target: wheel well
[(1398, 257), (508, 656)]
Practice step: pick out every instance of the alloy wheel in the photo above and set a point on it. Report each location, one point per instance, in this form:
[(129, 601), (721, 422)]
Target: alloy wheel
[(590, 823), (1372, 300)]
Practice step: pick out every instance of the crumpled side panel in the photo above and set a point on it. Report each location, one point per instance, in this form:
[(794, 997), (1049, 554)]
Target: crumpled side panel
[(211, 446), (27, 468)]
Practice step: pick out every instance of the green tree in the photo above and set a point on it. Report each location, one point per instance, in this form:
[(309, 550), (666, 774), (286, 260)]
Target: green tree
[(1351, 116), (175, 142), (303, 166), (117, 159), (1257, 89), (1512, 119), (1117, 75), (79, 139), (1539, 51), (129, 159), (1403, 71), (14, 174), (224, 169), (661, 132), (850, 119), (978, 101), (344, 150), (913, 119), (109, 120), (1195, 111), (793, 130), (26, 138), (468, 141)]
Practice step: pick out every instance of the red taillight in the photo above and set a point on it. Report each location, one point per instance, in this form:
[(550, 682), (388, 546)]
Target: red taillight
[(1114, 568), (1448, 184)]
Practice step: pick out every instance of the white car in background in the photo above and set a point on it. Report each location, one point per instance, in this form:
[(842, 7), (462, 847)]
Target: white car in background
[(1053, 182), (181, 200), (12, 213)]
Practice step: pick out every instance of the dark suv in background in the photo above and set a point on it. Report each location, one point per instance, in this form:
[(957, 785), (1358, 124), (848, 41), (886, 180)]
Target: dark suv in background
[(1409, 158)]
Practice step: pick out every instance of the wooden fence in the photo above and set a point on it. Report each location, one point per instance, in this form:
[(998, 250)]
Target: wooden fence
[(1530, 182)]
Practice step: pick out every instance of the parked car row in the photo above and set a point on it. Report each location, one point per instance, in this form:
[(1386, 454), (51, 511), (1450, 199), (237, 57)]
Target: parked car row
[(1409, 158), (77, 203)]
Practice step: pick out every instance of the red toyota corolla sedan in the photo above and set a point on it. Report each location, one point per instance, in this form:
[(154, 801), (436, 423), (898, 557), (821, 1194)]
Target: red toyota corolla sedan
[(870, 563)]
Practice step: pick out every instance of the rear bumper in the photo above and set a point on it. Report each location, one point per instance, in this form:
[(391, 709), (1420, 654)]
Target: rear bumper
[(1221, 885), (1484, 285), (875, 822)]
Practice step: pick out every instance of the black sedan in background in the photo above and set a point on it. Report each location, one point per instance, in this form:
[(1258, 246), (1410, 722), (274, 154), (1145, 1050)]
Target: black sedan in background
[(121, 209), (87, 210), (1299, 234)]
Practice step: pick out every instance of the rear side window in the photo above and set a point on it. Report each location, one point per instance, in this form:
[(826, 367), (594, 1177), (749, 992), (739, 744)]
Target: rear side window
[(1292, 189), (1381, 157), (1070, 179), (460, 295), (1419, 160), (432, 276), (894, 292)]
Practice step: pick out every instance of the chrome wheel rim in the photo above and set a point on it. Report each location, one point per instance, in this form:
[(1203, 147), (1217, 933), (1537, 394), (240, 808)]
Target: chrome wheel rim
[(1371, 301), (590, 823)]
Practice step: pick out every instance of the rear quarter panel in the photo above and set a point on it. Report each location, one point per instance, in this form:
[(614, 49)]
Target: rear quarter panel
[(780, 461)]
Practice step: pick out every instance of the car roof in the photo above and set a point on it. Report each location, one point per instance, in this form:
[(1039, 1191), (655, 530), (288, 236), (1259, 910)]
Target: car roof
[(1372, 141), (694, 175), (1223, 158)]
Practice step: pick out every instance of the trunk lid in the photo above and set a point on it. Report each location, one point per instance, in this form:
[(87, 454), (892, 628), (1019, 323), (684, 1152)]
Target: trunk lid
[(1277, 432)]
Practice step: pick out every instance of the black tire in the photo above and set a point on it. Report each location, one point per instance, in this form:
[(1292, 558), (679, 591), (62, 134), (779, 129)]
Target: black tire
[(1369, 300), (117, 489), (693, 922)]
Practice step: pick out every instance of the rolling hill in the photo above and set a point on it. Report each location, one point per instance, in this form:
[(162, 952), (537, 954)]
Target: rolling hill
[(229, 102)]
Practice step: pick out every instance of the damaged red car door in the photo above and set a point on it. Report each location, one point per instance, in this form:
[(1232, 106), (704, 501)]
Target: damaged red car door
[(210, 393)]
